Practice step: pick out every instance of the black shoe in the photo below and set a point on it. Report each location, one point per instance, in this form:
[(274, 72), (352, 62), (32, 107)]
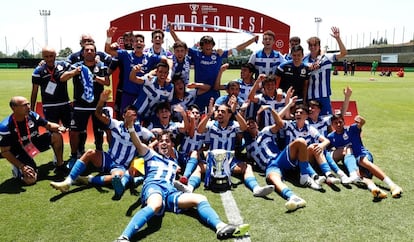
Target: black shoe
[(231, 231), (61, 170)]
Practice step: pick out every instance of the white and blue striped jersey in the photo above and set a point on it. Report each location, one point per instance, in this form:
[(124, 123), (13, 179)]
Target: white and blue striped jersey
[(158, 168), (181, 68), (320, 79), (266, 64), (222, 138), (121, 149), (173, 127), (263, 148), (322, 124), (154, 94), (309, 133), (190, 144), (267, 116)]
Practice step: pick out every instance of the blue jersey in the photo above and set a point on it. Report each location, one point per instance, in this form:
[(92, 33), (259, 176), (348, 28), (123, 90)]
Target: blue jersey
[(262, 148), (293, 76), (173, 127), (128, 59), (320, 80), (206, 67), (222, 138), (121, 149), (53, 91), (350, 136), (153, 94), (292, 131), (266, 64)]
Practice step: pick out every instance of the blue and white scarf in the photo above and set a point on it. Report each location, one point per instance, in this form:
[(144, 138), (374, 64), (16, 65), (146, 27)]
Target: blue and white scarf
[(87, 81)]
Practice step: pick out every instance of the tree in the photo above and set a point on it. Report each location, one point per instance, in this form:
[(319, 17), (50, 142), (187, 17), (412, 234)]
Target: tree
[(2, 55), (24, 54), (65, 52)]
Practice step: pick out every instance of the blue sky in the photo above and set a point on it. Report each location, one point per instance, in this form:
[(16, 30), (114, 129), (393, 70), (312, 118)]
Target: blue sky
[(22, 27)]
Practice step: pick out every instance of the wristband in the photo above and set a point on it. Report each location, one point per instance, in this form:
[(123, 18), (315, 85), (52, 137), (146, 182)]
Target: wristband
[(131, 130), (109, 40)]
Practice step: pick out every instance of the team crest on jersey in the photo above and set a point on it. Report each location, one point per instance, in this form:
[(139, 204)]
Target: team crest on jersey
[(96, 69), (144, 61), (213, 57), (30, 123), (345, 136), (303, 71), (59, 67)]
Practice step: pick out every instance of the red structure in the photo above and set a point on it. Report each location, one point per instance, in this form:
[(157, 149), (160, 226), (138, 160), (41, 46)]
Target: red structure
[(200, 13)]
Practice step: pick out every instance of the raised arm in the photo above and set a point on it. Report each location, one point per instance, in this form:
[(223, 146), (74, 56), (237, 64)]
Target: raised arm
[(342, 49), (233, 104), (256, 86), (104, 97), (217, 84), (133, 75), (347, 96), (172, 32), (142, 149), (243, 46), (109, 34), (203, 123)]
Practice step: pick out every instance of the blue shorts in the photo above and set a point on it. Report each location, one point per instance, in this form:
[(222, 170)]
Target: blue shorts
[(364, 171), (108, 165), (281, 163), (168, 193)]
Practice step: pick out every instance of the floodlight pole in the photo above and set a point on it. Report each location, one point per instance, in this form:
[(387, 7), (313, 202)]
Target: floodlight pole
[(318, 20), (45, 14)]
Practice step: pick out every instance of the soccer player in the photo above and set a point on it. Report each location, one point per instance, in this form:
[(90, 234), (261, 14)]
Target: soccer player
[(295, 74), (262, 147), (267, 60), (221, 133), (343, 138), (20, 140), (207, 63), (128, 59), (319, 87), (156, 89), (323, 125), (159, 195), (116, 160)]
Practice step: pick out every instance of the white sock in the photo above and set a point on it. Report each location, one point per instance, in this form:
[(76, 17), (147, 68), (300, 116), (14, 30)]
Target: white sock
[(388, 181)]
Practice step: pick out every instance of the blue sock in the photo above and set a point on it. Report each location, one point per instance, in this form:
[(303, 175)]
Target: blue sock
[(194, 181), (98, 180), (325, 167), (286, 193), (126, 178), (331, 162), (78, 168), (208, 214), (190, 167), (138, 221), (251, 182), (350, 163), (306, 169)]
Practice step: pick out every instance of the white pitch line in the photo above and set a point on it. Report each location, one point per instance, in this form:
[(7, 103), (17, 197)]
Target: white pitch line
[(232, 212)]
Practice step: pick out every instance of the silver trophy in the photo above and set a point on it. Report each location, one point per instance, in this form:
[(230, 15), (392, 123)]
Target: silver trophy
[(222, 160)]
